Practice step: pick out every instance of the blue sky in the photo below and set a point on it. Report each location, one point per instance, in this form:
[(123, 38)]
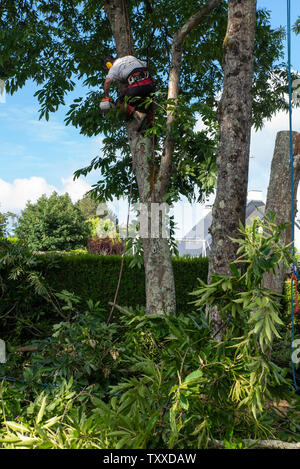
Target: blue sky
[(38, 157)]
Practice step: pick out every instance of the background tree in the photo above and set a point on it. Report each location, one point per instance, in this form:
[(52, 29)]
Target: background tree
[(91, 208), (52, 224), (4, 220), (296, 27), (180, 52), (3, 224), (87, 206)]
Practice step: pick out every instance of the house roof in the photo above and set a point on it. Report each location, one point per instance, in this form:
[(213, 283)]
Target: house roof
[(253, 205), (200, 230)]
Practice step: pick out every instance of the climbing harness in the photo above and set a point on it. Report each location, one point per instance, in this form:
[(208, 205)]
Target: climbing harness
[(139, 75), (294, 275)]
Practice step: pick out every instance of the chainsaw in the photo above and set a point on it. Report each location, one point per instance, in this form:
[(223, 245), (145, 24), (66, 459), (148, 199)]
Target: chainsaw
[(106, 104)]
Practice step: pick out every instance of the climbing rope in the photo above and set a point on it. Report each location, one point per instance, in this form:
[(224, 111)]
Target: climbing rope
[(294, 275), (126, 237), (128, 214)]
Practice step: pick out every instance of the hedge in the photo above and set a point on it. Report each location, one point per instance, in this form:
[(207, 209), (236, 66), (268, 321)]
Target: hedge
[(95, 277)]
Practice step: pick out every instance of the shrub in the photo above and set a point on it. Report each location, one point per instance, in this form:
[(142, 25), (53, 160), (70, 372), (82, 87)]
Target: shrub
[(287, 299), (82, 348), (102, 228), (52, 223), (25, 295), (105, 246), (182, 391)]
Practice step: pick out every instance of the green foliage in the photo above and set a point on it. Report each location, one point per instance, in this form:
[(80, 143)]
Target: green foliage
[(296, 27), (56, 419), (28, 284), (82, 348), (102, 228), (4, 217), (52, 224), (288, 298), (3, 222), (281, 350), (241, 298), (160, 381), (176, 389), (70, 33), (25, 295), (87, 207), (12, 239), (96, 277)]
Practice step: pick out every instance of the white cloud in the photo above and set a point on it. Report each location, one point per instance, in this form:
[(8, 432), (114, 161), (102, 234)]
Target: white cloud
[(15, 195), (75, 189)]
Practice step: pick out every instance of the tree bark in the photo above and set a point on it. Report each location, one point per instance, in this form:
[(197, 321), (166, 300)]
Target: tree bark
[(235, 118), (259, 444), (279, 196)]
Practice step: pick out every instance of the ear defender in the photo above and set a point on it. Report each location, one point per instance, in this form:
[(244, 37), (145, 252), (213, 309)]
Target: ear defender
[(108, 65)]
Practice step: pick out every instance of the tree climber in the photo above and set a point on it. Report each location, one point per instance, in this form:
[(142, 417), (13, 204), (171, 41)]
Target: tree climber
[(133, 73)]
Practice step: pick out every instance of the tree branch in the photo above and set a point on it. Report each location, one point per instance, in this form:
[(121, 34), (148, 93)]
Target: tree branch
[(174, 78), (117, 14)]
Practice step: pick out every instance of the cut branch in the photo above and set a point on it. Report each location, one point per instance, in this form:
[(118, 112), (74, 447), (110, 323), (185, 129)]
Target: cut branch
[(259, 444)]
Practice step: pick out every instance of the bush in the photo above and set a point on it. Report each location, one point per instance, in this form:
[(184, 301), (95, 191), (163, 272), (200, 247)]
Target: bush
[(52, 223), (105, 246), (287, 299), (82, 349)]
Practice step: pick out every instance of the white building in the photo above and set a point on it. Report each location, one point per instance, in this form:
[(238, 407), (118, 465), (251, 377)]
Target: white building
[(197, 241)]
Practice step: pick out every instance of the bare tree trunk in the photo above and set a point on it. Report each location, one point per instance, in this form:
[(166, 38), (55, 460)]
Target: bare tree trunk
[(235, 117), (279, 197), (160, 286)]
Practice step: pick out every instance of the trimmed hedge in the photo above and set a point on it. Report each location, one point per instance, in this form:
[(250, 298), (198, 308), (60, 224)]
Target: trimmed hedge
[(95, 277)]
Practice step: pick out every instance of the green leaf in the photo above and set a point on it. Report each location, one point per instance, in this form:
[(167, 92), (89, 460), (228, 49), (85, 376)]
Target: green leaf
[(194, 376), (16, 426), (42, 410)]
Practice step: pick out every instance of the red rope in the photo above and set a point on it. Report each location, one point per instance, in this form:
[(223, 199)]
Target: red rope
[(294, 277)]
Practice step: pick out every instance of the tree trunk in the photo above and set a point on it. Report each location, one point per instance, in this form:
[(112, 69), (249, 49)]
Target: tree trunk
[(279, 197), (160, 286), (152, 181), (235, 116)]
